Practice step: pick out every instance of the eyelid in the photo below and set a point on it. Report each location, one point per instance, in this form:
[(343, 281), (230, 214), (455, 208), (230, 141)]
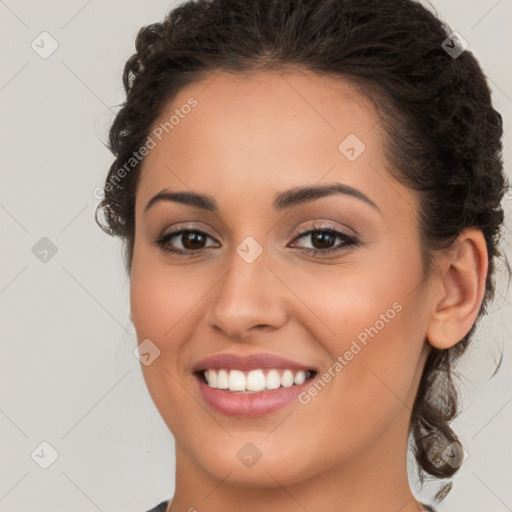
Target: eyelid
[(324, 227), (185, 226)]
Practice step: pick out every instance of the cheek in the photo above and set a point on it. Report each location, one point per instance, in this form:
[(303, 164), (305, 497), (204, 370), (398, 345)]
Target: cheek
[(153, 304), (362, 304), (156, 305), (372, 324), (161, 300), (159, 313), (372, 379)]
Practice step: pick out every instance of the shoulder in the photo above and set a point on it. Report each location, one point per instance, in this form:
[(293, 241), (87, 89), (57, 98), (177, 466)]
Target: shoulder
[(160, 507)]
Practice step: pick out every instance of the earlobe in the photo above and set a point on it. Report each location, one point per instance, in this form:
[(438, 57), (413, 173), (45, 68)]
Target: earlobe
[(461, 283)]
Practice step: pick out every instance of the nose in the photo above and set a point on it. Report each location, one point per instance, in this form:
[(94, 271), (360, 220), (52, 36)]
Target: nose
[(248, 299)]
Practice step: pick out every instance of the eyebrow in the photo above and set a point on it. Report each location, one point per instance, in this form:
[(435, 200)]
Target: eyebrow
[(284, 200)]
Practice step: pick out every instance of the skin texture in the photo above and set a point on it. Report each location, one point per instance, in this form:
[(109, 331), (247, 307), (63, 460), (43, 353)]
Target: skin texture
[(248, 139)]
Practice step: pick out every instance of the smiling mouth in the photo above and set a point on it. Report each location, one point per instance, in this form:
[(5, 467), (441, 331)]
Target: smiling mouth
[(253, 381)]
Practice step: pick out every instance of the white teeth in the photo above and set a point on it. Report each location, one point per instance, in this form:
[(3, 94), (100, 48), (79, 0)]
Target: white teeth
[(236, 380), (211, 378), (273, 379), (287, 379), (300, 377), (255, 380), (222, 379)]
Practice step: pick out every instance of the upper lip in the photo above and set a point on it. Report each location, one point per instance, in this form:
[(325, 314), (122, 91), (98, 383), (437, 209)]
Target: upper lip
[(248, 362)]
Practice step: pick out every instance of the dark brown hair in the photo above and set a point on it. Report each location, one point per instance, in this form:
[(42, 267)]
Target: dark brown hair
[(443, 132)]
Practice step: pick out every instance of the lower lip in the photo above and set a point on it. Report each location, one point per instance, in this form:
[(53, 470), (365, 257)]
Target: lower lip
[(250, 404)]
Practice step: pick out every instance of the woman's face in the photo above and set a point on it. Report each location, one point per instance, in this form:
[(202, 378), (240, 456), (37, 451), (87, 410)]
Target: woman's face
[(251, 286)]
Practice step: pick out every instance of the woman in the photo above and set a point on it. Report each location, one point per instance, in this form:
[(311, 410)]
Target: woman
[(310, 193)]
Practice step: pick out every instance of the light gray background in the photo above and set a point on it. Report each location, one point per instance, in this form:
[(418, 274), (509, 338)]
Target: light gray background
[(68, 375)]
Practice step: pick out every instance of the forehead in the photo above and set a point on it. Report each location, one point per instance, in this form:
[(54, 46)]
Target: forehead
[(264, 132)]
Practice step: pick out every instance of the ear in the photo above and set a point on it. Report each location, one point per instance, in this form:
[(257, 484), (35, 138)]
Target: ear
[(459, 289)]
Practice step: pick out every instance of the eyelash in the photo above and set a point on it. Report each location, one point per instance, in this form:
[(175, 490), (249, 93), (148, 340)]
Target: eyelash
[(348, 240)]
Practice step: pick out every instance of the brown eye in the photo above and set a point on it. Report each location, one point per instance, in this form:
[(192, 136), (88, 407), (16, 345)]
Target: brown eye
[(183, 241), (192, 240), (323, 240)]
